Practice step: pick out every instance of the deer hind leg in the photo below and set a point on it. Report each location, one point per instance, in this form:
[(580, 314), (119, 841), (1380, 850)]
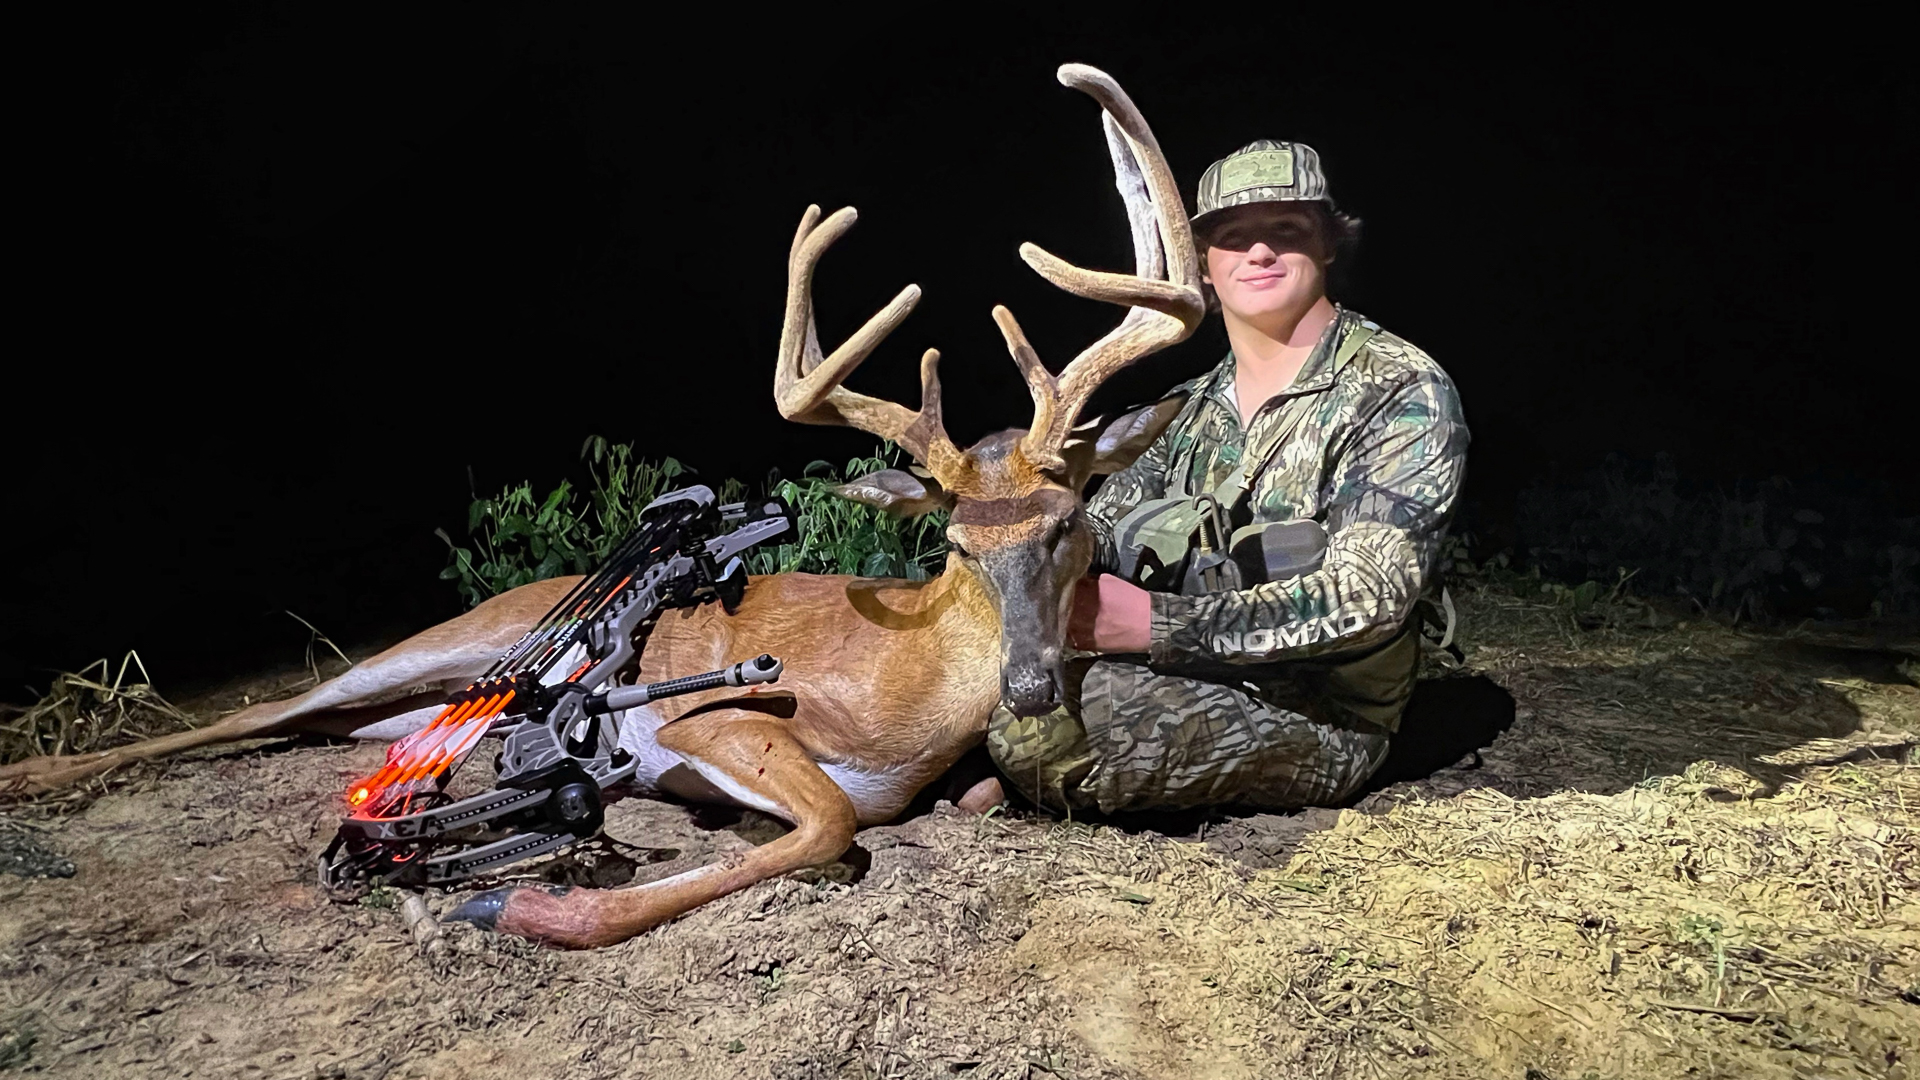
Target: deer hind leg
[(408, 677), (35, 775), (751, 758)]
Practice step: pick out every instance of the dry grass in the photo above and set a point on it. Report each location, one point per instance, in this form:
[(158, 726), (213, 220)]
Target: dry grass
[(1693, 855), (95, 708), (1629, 931)]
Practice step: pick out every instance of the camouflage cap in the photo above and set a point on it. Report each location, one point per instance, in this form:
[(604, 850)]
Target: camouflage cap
[(1262, 171)]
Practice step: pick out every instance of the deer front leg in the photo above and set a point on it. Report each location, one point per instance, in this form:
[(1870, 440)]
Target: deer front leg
[(755, 761), (412, 675)]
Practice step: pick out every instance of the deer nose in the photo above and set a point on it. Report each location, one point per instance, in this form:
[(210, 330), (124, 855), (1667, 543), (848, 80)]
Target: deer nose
[(1030, 693)]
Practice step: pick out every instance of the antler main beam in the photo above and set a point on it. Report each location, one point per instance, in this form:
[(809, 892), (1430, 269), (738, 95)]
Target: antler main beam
[(1162, 310), (806, 385), (1162, 296)]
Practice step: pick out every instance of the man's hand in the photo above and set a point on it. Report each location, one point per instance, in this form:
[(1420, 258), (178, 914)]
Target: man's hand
[(1110, 615)]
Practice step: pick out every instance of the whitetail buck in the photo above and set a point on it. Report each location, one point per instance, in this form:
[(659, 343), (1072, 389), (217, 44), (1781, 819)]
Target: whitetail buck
[(887, 683)]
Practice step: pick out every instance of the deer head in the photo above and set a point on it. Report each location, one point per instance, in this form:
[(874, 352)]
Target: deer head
[(1015, 495)]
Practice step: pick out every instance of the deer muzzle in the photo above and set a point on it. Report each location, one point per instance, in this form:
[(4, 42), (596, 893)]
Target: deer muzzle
[(1033, 686)]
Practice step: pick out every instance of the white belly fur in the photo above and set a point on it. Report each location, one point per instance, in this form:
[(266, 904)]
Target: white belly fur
[(399, 727), (652, 761), (876, 796)]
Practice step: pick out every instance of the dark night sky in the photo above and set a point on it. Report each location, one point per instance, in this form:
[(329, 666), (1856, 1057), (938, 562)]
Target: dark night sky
[(295, 272)]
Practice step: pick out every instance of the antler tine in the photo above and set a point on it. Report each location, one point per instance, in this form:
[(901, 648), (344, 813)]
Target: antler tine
[(1040, 382), (806, 385), (1163, 310)]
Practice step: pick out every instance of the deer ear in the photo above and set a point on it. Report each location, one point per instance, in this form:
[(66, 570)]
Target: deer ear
[(1122, 440), (901, 494)]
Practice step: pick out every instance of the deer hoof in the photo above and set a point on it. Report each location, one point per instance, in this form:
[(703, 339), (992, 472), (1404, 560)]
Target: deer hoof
[(482, 909), (515, 911)]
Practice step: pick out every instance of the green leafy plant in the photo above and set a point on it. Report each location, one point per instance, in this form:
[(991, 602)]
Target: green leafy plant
[(771, 978), (839, 536), (1709, 935), (16, 1046), (623, 485), (518, 536)]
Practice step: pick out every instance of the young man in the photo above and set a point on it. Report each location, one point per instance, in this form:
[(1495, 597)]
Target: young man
[(1331, 445)]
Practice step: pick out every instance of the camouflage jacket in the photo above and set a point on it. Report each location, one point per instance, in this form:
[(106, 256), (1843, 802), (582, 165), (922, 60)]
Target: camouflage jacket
[(1374, 450)]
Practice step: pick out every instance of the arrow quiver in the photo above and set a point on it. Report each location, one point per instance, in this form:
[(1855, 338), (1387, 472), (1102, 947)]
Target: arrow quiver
[(554, 700)]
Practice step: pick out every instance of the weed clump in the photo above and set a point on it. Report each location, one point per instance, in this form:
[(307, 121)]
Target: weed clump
[(520, 537), (16, 1046), (839, 536), (92, 709)]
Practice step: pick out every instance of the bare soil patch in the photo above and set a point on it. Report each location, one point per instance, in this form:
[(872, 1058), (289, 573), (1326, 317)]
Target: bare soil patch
[(1692, 854)]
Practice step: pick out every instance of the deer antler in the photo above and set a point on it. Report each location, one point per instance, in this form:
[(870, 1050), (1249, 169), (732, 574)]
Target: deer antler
[(1162, 294), (806, 386)]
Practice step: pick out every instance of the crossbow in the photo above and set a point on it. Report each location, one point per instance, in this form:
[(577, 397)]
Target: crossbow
[(553, 699)]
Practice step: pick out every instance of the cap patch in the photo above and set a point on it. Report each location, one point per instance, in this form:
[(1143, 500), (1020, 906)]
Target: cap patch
[(1262, 168)]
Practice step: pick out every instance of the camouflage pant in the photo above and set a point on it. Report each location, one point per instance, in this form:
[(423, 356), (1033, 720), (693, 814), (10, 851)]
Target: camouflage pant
[(1130, 738)]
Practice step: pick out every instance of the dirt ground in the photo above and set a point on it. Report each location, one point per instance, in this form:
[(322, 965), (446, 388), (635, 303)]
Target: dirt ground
[(1691, 854)]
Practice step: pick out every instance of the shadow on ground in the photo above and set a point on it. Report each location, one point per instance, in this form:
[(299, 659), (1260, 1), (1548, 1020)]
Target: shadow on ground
[(1602, 715)]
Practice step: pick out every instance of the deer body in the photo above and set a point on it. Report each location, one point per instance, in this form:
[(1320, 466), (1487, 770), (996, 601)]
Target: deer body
[(884, 703), (886, 683)]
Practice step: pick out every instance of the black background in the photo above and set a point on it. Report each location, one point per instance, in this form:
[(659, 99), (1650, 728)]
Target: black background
[(290, 276)]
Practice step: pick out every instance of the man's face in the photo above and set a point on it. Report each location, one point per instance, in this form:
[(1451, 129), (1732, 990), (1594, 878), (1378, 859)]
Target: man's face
[(1267, 260)]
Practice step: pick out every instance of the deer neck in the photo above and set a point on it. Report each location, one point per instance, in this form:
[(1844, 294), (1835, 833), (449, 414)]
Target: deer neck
[(965, 634)]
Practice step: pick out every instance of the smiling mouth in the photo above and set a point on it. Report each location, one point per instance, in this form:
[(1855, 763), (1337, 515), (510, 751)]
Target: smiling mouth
[(1256, 279)]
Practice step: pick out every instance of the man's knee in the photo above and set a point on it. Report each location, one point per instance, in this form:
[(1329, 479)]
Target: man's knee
[(1045, 757)]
